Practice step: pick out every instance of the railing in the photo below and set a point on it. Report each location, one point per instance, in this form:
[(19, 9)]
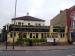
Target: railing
[(26, 26), (29, 28)]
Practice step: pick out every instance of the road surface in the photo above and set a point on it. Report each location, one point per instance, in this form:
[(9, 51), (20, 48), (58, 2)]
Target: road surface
[(50, 52)]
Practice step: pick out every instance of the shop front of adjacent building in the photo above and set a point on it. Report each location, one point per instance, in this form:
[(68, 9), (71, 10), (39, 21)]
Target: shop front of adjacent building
[(66, 18), (59, 33)]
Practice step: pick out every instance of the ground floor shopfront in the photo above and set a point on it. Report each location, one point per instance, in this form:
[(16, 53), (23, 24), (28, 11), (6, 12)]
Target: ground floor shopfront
[(60, 38), (24, 35), (59, 33)]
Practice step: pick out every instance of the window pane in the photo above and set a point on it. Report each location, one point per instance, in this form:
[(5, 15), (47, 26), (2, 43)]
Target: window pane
[(28, 23), (36, 35), (19, 23), (30, 35)]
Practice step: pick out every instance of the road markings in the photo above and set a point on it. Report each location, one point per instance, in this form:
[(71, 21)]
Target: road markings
[(71, 55)]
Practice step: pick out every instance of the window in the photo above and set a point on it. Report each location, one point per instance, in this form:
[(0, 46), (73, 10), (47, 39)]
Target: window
[(73, 25), (29, 24), (16, 23), (22, 23), (19, 23), (13, 22), (33, 36), (0, 34), (36, 24), (39, 24), (14, 33), (73, 22), (62, 35), (30, 35), (24, 35), (36, 35), (11, 35), (59, 30), (47, 35), (42, 35)]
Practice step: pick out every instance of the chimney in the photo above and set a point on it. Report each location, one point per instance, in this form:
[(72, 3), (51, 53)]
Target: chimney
[(27, 14)]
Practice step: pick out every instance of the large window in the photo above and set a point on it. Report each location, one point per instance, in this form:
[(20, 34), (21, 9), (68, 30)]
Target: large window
[(58, 29), (73, 19)]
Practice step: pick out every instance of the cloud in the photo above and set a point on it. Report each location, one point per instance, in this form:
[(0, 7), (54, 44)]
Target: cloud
[(36, 7), (44, 9), (37, 4)]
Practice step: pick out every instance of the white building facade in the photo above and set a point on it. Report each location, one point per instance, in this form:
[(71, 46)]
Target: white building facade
[(28, 27)]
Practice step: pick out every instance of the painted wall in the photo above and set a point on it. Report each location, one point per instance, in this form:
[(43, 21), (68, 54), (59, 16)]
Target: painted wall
[(34, 23), (10, 39), (59, 20)]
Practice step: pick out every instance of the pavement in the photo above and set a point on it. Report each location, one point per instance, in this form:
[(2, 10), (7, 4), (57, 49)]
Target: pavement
[(68, 52), (36, 48)]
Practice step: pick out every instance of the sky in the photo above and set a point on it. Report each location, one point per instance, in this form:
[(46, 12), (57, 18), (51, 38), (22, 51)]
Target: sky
[(43, 9)]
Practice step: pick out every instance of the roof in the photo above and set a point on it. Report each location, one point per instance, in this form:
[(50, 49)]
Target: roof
[(28, 18), (72, 7)]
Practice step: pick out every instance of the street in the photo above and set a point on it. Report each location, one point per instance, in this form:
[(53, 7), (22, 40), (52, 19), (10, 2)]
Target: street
[(50, 52)]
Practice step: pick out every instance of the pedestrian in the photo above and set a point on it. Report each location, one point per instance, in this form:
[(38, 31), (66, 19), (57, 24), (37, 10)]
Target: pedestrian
[(54, 40)]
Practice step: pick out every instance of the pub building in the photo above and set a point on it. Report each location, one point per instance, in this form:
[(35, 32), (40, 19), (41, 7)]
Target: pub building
[(27, 27)]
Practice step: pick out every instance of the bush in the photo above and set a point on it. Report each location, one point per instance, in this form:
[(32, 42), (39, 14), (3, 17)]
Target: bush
[(39, 40), (20, 41), (26, 41), (43, 39)]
